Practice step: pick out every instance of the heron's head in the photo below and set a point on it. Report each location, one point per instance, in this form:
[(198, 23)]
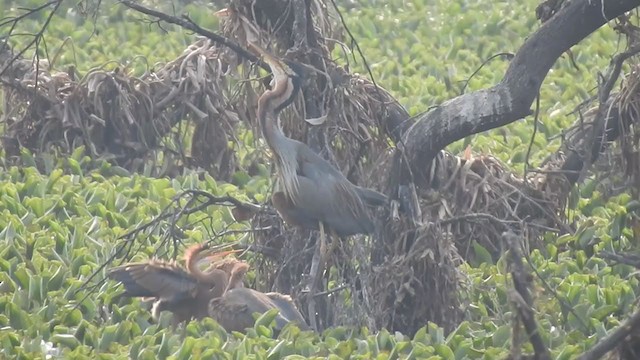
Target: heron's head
[(286, 82)]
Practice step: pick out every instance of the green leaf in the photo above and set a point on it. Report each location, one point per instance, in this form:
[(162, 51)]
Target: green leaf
[(603, 311), (108, 337), (18, 318), (66, 340), (73, 317), (266, 319), (74, 166), (502, 335), (444, 351), (482, 254)]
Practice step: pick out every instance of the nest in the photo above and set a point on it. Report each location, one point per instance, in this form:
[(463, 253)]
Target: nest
[(629, 100)]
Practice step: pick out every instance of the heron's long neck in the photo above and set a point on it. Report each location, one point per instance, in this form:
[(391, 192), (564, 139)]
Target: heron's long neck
[(270, 128), (282, 147), (220, 279)]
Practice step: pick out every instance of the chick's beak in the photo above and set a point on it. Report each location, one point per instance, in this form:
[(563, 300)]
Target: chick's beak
[(210, 257), (215, 256)]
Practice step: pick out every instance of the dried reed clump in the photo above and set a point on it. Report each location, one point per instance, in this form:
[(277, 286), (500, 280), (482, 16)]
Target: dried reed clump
[(126, 118)]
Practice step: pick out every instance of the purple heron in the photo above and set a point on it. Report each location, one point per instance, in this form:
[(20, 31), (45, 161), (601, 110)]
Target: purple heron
[(185, 292), (188, 292), (314, 194), (234, 310)]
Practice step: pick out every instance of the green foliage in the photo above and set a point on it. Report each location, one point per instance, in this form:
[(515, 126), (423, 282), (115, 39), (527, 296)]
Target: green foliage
[(58, 226)]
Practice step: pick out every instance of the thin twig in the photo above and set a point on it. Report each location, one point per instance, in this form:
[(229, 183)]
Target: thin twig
[(508, 55), (626, 259), (188, 24), (533, 137), (36, 39), (331, 291), (364, 59)]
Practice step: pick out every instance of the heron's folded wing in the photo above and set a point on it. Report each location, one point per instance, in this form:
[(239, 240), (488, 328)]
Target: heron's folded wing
[(288, 309), (246, 302), (330, 196), (154, 279), (315, 167), (231, 315)]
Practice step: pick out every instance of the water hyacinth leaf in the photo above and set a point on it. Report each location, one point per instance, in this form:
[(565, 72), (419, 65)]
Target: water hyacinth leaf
[(436, 333), (66, 340), (383, 340), (72, 318), (18, 318), (185, 351), (586, 236), (163, 351), (74, 166), (422, 336), (109, 335), (35, 288), (262, 330), (276, 351), (444, 351), (502, 335), (398, 349), (344, 349), (603, 311), (266, 319)]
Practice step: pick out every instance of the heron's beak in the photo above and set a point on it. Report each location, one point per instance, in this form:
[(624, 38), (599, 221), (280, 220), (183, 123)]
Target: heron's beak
[(281, 71)]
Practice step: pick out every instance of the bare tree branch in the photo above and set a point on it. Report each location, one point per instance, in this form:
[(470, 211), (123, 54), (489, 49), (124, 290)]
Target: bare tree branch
[(190, 25), (626, 259), (606, 126), (610, 341), (510, 100), (522, 297)]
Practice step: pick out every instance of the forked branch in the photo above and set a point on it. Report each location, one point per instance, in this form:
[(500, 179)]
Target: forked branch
[(511, 99)]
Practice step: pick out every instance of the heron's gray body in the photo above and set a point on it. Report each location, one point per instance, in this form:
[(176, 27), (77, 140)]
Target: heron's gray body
[(324, 194)]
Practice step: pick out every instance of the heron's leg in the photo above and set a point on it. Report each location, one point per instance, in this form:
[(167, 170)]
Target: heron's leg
[(317, 268), (323, 245), (335, 241)]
